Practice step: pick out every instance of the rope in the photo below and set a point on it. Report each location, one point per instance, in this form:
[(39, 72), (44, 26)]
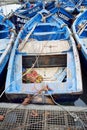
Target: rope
[(76, 118), (27, 70), (36, 58), (33, 96)]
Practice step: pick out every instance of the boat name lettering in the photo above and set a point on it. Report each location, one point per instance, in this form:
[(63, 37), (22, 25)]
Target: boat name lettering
[(21, 20), (34, 10), (64, 17)]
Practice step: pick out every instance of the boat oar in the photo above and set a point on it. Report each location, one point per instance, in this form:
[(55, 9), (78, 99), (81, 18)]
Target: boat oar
[(26, 38)]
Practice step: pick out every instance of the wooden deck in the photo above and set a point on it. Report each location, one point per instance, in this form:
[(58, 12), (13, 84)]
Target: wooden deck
[(44, 47)]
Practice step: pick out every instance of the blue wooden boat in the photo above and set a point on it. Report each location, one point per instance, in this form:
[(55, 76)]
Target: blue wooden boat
[(67, 17), (49, 5), (24, 13), (44, 60), (60, 12), (84, 3), (6, 41), (27, 11), (80, 33), (71, 6)]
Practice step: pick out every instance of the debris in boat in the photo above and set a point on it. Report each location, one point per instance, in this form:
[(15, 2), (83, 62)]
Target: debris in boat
[(1, 117), (39, 79), (32, 77)]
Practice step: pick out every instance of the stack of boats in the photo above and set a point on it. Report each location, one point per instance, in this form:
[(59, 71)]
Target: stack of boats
[(7, 35), (80, 33), (44, 61)]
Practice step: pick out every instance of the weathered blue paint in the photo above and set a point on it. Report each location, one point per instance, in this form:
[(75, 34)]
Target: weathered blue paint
[(24, 13), (6, 37), (84, 3), (80, 32), (49, 28), (71, 6), (63, 14)]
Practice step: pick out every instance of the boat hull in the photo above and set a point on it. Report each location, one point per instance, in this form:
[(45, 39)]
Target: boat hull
[(21, 16), (61, 98), (48, 64), (80, 34), (7, 36)]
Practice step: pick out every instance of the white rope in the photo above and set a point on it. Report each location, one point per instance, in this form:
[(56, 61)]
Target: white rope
[(76, 118), (73, 115), (26, 72)]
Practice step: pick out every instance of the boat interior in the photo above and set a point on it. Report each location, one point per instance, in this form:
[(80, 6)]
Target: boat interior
[(52, 59), (57, 71), (52, 62), (47, 31)]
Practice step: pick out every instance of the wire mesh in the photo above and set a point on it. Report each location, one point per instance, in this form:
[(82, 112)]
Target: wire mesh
[(12, 119), (40, 118)]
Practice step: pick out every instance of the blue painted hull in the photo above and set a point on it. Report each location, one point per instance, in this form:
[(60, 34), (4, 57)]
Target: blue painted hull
[(21, 16), (63, 98), (80, 34), (84, 3), (64, 15), (50, 5), (49, 32), (72, 6), (6, 41)]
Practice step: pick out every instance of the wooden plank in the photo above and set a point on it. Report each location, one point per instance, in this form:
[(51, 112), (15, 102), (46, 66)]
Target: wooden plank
[(43, 47)]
